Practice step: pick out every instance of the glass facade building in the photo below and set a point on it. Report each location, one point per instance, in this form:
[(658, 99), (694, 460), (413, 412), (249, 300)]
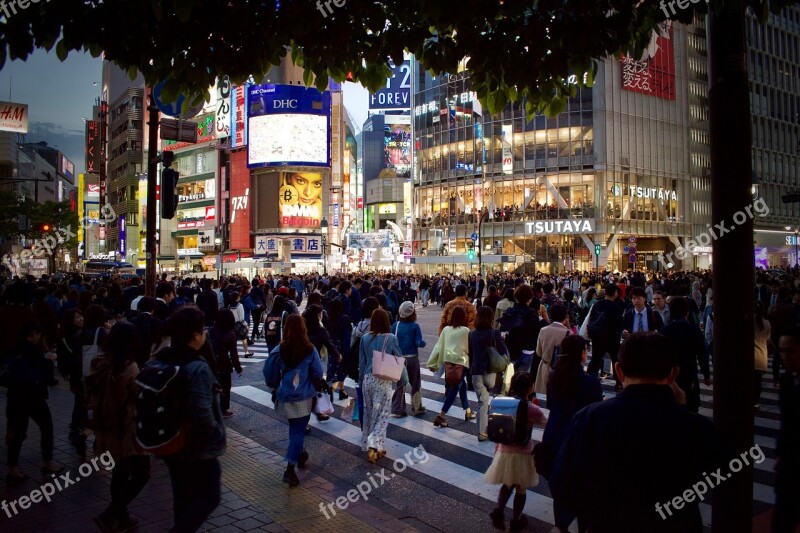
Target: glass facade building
[(625, 166)]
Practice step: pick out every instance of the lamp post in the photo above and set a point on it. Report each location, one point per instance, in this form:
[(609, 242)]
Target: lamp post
[(218, 247), (796, 235), (324, 228)]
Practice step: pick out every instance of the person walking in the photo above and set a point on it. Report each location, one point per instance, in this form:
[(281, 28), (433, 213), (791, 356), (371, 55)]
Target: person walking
[(503, 305), (453, 348), (240, 316), (27, 377), (424, 288), (548, 346), (691, 350), (195, 470), (786, 518), (512, 465), (377, 392), (483, 337), (321, 340), (409, 338), (569, 390), (605, 328), (340, 330), (223, 342), (111, 388), (302, 371)]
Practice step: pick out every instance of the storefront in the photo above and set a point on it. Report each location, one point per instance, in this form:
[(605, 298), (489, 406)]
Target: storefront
[(775, 248)]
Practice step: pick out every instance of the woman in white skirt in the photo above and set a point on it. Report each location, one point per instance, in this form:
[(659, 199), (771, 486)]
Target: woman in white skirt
[(377, 392), (512, 465)]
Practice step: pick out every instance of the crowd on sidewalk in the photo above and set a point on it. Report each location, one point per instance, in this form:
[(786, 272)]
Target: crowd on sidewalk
[(151, 376)]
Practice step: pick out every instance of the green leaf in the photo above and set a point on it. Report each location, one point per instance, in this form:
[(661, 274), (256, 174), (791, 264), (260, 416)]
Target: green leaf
[(308, 77), (61, 50)]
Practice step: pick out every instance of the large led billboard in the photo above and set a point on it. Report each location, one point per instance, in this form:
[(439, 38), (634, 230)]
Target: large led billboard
[(397, 148), (300, 199), (288, 125)]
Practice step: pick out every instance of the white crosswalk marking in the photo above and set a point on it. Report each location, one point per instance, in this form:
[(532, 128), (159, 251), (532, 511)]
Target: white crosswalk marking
[(461, 437)]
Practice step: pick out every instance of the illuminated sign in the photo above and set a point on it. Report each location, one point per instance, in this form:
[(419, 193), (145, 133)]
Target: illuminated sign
[(387, 209), (300, 199), (654, 74), (560, 227), (238, 118), (397, 148), (654, 193), (93, 147), (508, 157), (205, 132), (396, 94), (223, 115), (306, 244), (288, 125), (191, 197), (13, 117)]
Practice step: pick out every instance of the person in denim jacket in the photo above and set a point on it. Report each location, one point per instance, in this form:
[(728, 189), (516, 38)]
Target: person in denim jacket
[(302, 370), (195, 470)]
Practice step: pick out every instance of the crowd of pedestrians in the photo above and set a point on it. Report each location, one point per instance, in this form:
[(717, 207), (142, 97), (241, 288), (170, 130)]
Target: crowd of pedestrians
[(551, 333)]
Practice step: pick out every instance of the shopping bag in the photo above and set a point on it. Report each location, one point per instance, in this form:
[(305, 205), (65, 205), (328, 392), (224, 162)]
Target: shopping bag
[(323, 405), (349, 410), (507, 375)]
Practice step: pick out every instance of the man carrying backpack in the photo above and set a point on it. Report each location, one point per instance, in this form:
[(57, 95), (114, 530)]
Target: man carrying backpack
[(184, 407), (605, 329)]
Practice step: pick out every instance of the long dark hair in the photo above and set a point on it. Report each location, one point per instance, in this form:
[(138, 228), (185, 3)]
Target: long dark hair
[(122, 345), (312, 316), (295, 345), (564, 378)]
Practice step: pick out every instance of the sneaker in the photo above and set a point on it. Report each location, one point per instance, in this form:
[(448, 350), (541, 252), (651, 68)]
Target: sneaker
[(483, 437), (343, 395), (372, 455), (302, 460), (290, 476), (498, 519), (469, 414), (520, 524)]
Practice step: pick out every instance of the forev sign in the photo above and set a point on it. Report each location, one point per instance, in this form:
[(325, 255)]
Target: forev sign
[(561, 227)]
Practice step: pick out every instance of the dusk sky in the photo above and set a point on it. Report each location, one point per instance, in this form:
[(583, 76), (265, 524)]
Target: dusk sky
[(59, 96)]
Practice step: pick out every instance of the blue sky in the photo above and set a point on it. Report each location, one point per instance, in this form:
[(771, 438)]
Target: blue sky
[(59, 95)]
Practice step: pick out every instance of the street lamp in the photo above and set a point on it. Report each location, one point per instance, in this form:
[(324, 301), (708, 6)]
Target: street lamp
[(324, 227), (217, 246)]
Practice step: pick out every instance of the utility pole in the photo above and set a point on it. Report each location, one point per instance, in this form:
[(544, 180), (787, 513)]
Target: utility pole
[(480, 243), (152, 174), (731, 180)]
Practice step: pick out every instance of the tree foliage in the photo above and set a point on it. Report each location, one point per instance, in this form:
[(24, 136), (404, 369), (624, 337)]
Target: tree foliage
[(516, 48), (56, 214)]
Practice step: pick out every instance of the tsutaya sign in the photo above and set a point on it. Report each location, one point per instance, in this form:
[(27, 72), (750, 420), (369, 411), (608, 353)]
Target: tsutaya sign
[(656, 193), (558, 227)]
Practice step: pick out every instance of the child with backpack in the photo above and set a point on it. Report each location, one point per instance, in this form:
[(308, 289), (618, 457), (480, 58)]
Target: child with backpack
[(513, 465)]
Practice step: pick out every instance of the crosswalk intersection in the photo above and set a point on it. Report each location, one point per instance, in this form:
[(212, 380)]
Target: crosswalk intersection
[(458, 459)]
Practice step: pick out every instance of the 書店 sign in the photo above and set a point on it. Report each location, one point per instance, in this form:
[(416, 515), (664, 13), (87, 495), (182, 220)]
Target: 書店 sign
[(560, 227)]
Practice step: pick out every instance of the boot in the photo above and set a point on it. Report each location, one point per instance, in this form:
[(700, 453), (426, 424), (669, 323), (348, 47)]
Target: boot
[(290, 476), (519, 524), (416, 404)]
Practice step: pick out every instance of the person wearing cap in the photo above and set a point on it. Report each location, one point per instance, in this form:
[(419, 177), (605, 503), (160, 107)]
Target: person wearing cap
[(409, 336)]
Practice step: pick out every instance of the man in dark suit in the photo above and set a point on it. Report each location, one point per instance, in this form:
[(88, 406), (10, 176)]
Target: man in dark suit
[(787, 484), (640, 317), (208, 302), (605, 327), (479, 285), (641, 431), (691, 347), (762, 292)]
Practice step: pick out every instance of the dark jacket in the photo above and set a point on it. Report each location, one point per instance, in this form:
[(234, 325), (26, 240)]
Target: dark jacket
[(691, 348), (320, 337), (613, 313), (225, 352), (200, 391), (522, 324), (150, 329), (28, 373), (355, 306), (659, 450), (479, 342), (562, 410), (654, 320), (208, 302)]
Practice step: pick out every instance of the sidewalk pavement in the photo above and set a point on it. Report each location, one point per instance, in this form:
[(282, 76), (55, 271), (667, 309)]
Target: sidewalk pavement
[(254, 498)]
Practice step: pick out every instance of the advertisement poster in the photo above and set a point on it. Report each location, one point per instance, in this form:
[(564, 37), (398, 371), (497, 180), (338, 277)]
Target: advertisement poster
[(654, 74), (397, 148), (13, 117), (288, 125), (508, 156), (300, 199)]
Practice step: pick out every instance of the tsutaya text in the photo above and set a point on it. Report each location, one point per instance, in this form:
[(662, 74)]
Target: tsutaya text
[(547, 227), (649, 192)]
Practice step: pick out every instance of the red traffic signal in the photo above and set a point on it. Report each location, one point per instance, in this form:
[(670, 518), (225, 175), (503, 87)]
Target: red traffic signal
[(44, 227)]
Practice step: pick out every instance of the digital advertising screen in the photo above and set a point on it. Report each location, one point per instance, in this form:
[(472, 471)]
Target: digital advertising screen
[(288, 125), (397, 148), (300, 199)]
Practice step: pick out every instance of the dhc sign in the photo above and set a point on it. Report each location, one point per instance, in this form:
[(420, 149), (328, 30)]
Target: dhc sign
[(561, 227)]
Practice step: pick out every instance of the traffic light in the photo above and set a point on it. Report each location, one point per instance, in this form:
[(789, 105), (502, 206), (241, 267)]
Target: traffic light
[(169, 193), (471, 251), (43, 227), (597, 249)]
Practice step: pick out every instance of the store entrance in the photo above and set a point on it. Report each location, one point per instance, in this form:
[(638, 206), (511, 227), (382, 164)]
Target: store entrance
[(554, 253)]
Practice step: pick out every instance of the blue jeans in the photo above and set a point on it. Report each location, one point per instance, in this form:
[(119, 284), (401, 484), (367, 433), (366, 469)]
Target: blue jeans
[(424, 294), (452, 392), (297, 433)]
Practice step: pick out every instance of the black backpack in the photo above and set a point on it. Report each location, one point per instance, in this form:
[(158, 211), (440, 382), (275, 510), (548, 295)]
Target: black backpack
[(160, 425), (508, 421), (597, 324), (273, 329)]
